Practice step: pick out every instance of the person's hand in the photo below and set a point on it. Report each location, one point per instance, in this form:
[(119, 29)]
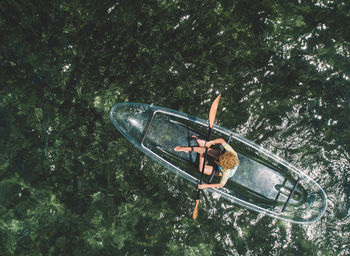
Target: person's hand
[(177, 148), (202, 186)]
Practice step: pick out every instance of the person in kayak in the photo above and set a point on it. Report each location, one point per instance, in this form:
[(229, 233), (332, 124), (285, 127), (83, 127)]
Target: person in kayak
[(227, 161)]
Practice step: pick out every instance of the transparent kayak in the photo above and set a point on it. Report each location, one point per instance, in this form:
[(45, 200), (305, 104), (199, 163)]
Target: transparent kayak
[(263, 182)]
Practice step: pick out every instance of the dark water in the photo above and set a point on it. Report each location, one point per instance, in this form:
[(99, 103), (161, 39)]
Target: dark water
[(70, 184)]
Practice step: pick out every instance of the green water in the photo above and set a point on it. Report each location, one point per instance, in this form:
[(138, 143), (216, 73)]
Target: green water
[(70, 184)]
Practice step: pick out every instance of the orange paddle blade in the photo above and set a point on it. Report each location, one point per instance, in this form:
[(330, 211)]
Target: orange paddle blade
[(212, 112), (195, 211)]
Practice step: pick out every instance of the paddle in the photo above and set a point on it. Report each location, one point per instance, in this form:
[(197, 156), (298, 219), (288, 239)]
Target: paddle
[(212, 114)]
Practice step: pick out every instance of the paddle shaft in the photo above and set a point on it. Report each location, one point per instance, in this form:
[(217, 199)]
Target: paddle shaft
[(291, 194), (212, 114), (205, 159)]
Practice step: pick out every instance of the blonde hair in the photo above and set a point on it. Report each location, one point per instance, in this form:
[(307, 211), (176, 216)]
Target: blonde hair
[(228, 160)]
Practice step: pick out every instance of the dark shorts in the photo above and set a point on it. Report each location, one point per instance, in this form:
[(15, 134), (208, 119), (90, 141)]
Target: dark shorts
[(215, 169)]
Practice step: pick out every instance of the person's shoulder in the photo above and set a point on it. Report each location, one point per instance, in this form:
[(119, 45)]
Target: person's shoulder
[(228, 148)]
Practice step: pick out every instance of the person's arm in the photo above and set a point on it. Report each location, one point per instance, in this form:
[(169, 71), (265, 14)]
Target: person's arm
[(216, 141), (204, 186), (221, 141)]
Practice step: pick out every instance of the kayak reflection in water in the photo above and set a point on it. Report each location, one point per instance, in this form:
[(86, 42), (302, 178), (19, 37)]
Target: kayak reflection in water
[(226, 162)]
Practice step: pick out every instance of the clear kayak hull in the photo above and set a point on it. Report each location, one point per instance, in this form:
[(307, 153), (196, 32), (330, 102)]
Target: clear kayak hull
[(263, 182)]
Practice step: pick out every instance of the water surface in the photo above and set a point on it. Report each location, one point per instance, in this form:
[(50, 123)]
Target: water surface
[(70, 184)]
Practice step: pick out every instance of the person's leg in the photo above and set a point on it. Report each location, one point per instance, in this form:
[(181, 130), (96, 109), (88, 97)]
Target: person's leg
[(199, 150), (208, 169), (211, 152)]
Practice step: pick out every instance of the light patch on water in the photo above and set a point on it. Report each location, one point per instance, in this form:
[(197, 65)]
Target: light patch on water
[(324, 3), (303, 40), (321, 27), (228, 240), (253, 222), (173, 189), (337, 74), (319, 117), (173, 71), (236, 216), (109, 10), (182, 20), (66, 67), (247, 127), (313, 231), (189, 65), (268, 73), (209, 100), (97, 101), (215, 196), (14, 226), (320, 65), (212, 211), (342, 51), (289, 240), (49, 130), (161, 215), (226, 217), (287, 49)]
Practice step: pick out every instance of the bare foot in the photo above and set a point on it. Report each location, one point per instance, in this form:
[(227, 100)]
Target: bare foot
[(201, 143)]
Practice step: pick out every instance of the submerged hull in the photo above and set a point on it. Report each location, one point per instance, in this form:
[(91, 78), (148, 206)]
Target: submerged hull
[(263, 182)]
